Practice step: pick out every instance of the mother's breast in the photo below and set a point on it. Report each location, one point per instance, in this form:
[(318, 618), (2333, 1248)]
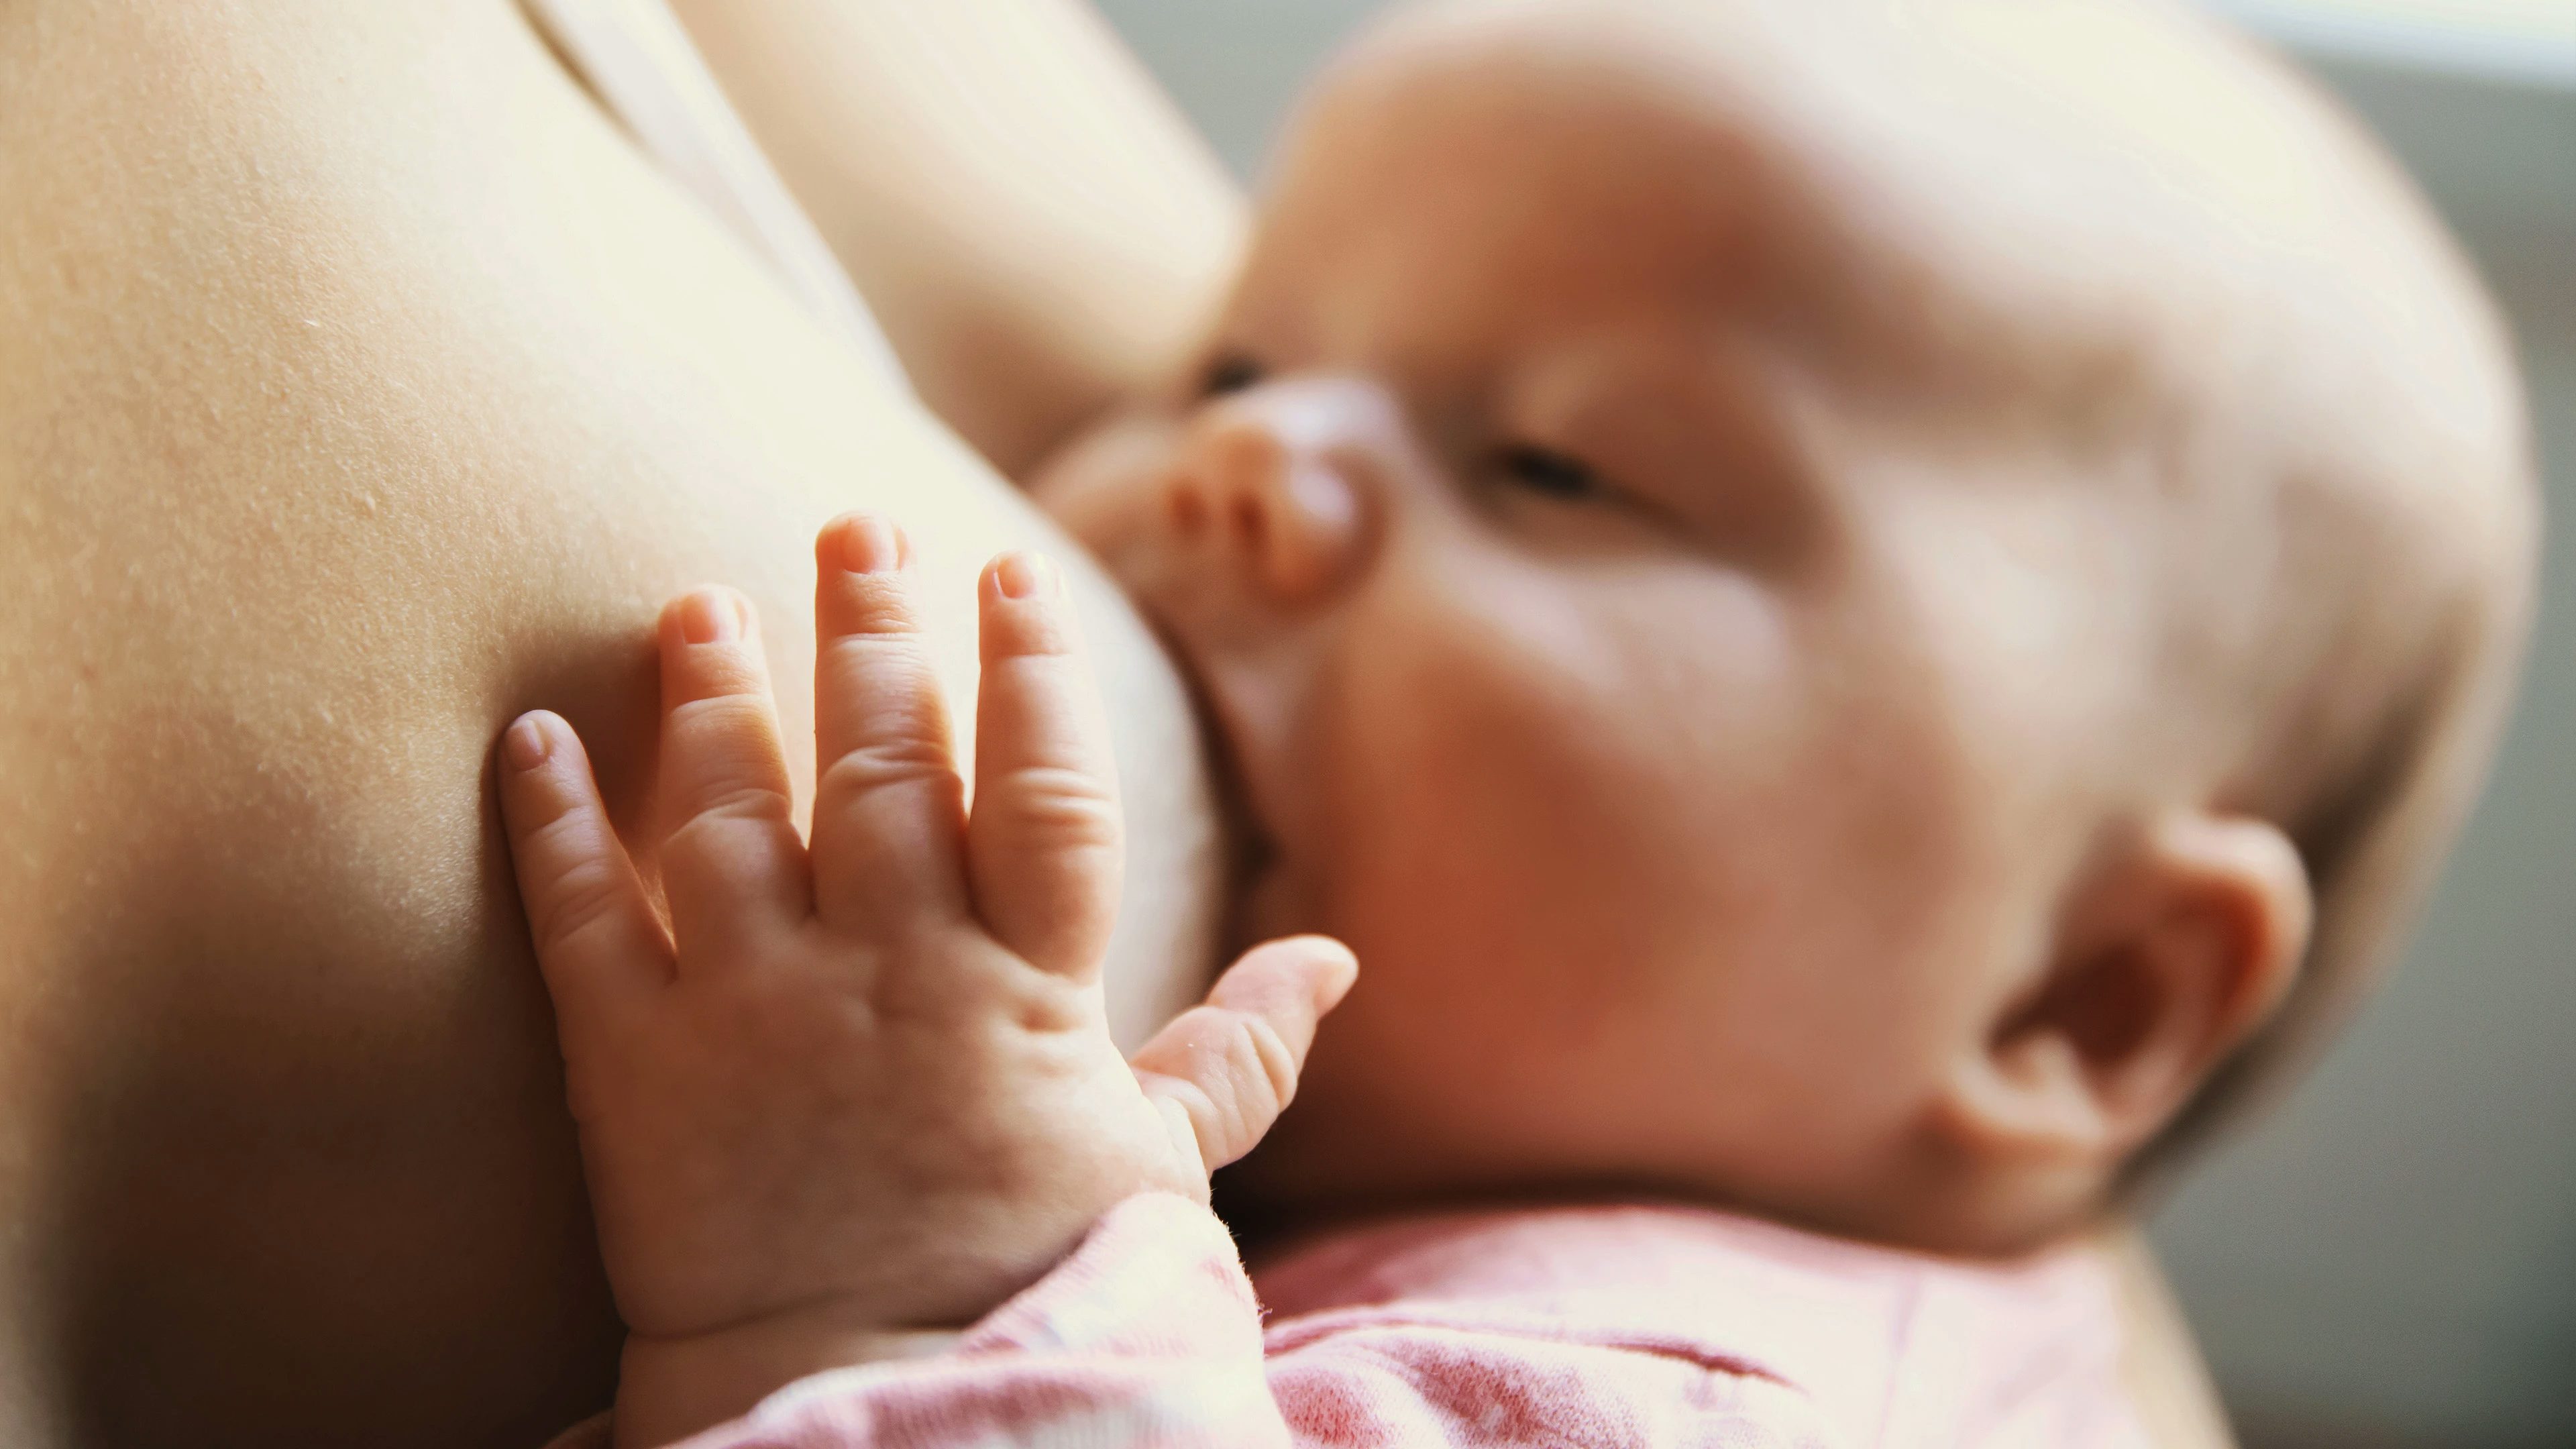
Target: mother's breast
[(358, 389)]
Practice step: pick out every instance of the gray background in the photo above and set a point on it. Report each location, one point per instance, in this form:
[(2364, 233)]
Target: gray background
[(2391, 1258)]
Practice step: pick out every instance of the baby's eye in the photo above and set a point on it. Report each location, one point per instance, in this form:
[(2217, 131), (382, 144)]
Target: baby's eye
[(1544, 471), (1231, 372)]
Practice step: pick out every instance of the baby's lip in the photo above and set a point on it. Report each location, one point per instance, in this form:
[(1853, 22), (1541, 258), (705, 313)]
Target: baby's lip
[(1251, 846)]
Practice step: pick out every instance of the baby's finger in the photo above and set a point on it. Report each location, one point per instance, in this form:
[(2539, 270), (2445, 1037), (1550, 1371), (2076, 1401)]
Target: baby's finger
[(732, 860), (888, 806), (597, 940), (1043, 852), (1230, 1066)]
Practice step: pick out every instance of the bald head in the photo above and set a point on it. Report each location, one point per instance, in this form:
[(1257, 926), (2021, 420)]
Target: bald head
[(2141, 245), (1826, 589)]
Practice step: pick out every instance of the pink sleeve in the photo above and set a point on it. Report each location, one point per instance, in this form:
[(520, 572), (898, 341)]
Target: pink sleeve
[(1149, 1337)]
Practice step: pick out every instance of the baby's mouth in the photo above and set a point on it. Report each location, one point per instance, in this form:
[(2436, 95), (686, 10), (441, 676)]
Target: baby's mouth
[(1251, 849)]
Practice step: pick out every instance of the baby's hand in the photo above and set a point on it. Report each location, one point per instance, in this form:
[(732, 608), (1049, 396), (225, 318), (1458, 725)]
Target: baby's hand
[(865, 1088)]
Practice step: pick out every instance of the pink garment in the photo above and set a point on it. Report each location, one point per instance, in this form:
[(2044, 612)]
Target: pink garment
[(1594, 1326)]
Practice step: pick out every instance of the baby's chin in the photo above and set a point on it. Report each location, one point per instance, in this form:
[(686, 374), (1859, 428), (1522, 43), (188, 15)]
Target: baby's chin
[(1307, 1178), (1295, 1181)]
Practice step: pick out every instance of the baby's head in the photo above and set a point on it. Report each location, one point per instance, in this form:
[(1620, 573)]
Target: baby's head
[(1853, 607)]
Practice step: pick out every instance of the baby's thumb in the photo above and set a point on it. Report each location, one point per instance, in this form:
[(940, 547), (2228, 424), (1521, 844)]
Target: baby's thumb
[(1229, 1066)]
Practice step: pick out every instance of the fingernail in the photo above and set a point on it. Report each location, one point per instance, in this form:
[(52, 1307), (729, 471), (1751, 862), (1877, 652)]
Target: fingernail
[(1024, 576), (871, 545), (526, 743), (709, 617)]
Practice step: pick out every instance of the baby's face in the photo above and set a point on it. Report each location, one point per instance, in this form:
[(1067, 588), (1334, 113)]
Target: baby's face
[(1678, 710)]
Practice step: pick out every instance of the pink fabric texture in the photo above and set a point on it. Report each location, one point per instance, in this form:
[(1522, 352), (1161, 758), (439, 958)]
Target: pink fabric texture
[(1591, 1326)]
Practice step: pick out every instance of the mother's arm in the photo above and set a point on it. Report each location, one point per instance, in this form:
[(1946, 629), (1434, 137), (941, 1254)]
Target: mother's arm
[(1034, 224)]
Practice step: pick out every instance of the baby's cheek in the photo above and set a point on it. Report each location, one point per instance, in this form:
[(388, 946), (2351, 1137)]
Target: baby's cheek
[(1496, 853)]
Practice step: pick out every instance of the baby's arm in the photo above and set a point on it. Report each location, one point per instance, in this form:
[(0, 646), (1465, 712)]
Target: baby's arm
[(858, 1093)]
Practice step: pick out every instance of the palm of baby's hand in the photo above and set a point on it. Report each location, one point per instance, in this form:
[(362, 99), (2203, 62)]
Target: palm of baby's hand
[(874, 1075), (853, 1130)]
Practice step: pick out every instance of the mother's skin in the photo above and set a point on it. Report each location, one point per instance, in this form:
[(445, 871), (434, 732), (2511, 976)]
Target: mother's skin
[(359, 388)]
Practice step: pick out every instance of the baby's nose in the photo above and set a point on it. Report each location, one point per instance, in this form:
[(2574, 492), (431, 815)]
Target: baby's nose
[(1268, 497)]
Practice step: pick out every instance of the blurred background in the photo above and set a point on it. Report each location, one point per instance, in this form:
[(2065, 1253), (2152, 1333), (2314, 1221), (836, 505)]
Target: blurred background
[(2390, 1258)]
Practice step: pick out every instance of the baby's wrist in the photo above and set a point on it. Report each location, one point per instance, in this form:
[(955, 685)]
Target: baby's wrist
[(670, 1388)]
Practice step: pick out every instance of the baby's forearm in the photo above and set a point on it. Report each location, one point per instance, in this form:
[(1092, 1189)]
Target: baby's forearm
[(1151, 1333), (1148, 1332)]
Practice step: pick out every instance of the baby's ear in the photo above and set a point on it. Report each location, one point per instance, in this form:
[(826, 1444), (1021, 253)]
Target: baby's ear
[(2172, 950)]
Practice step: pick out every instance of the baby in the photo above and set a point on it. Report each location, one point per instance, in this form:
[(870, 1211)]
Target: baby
[(1863, 614)]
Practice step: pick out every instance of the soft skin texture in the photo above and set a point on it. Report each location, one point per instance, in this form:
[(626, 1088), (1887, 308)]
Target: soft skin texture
[(1818, 589), (360, 387), (861, 1087)]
